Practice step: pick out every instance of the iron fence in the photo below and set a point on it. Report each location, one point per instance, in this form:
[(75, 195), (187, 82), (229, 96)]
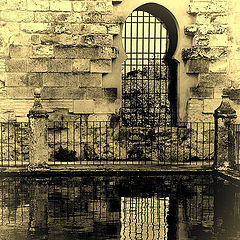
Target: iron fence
[(236, 144), (98, 142), (14, 143)]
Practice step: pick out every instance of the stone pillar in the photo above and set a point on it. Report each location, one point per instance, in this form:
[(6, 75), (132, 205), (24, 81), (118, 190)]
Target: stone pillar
[(38, 124), (224, 145)]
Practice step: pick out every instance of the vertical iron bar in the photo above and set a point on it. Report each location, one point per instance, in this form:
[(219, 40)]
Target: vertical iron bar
[(8, 145), (15, 142), (74, 140), (190, 150), (67, 142), (203, 145), (1, 143), (100, 140), (54, 143)]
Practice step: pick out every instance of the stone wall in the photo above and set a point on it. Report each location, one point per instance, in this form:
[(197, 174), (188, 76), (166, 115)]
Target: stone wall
[(64, 47), (207, 59), (70, 49)]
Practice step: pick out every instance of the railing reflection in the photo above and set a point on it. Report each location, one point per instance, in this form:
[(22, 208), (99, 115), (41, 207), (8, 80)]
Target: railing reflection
[(167, 207)]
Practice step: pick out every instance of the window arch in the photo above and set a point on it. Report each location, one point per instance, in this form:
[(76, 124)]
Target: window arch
[(148, 92)]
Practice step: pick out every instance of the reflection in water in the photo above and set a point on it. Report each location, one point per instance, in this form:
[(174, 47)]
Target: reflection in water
[(126, 208), (144, 218)]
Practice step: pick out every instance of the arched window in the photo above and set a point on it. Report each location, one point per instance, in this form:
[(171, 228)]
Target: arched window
[(145, 74)]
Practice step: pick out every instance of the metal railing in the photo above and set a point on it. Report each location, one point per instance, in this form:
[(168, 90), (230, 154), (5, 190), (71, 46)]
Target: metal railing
[(235, 146), (98, 142), (14, 143)]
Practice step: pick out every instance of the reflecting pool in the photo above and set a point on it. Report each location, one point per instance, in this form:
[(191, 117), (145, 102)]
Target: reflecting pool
[(120, 207)]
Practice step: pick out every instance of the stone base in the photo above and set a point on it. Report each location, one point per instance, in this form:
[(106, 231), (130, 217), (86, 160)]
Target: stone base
[(33, 167)]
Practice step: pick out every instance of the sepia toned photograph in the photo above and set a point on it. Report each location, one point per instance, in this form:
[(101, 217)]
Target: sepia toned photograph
[(119, 120)]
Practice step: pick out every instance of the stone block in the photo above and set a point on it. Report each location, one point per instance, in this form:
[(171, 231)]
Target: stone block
[(104, 39), (110, 94), (20, 16), (2, 65), (81, 65), (197, 66), (60, 65), (16, 80), (90, 80), (234, 94), (203, 19), (113, 29), (202, 92), (93, 17), (112, 19), (219, 66), (44, 17), (91, 29), (16, 4), (23, 79), (83, 106), (101, 6), (95, 93), (20, 92), (194, 109), (22, 39), (191, 30), (210, 105), (36, 27), (75, 93), (35, 79), (208, 7), (75, 52), (219, 19), (63, 93), (62, 28), (42, 51), (212, 80), (103, 106), (59, 79), (38, 5), (212, 29), (101, 66), (51, 105), (18, 51), (16, 65), (80, 6), (38, 65), (201, 40), (96, 40), (220, 40), (62, 6)]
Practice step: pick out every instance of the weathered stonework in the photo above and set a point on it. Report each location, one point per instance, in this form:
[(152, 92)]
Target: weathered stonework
[(63, 47), (72, 50)]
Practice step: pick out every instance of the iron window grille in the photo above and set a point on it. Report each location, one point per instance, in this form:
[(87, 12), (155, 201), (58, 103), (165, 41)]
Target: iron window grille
[(145, 73)]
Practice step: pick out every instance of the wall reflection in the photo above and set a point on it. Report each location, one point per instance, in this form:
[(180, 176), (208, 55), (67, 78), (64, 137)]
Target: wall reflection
[(166, 207)]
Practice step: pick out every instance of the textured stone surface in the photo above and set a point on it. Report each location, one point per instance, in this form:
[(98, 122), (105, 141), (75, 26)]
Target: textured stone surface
[(198, 66), (83, 106), (202, 92), (101, 66), (81, 65)]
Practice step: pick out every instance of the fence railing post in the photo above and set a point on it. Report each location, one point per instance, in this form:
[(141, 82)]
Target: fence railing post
[(38, 142), (224, 144)]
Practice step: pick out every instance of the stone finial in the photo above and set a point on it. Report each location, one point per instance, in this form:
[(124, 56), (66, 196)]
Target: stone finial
[(37, 98), (225, 109), (37, 110)]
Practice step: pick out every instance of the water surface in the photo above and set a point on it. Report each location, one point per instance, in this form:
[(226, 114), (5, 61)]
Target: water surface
[(163, 207)]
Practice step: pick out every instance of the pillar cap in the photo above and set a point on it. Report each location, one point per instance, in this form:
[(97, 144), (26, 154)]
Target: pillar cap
[(225, 109), (37, 110)]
